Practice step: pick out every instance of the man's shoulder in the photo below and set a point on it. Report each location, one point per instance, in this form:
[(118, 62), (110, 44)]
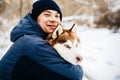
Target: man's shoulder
[(33, 39), (30, 42)]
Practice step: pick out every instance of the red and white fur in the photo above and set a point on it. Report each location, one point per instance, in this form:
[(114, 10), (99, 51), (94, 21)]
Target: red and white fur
[(66, 43)]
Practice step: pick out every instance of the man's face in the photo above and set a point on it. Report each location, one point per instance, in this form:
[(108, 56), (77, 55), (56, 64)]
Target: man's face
[(48, 20)]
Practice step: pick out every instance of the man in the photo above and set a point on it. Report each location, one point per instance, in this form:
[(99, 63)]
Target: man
[(31, 57)]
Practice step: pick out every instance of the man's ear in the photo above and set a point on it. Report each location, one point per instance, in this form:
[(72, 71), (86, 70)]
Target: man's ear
[(57, 32), (73, 28)]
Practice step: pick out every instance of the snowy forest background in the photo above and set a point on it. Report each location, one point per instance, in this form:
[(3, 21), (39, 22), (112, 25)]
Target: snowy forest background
[(100, 45)]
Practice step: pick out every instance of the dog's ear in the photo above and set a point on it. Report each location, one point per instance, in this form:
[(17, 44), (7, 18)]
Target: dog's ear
[(57, 32), (73, 28)]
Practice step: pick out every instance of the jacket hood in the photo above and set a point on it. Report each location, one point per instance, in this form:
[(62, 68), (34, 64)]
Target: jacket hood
[(27, 26)]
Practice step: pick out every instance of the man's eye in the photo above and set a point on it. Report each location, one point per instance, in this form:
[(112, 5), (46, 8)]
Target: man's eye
[(47, 14), (57, 16)]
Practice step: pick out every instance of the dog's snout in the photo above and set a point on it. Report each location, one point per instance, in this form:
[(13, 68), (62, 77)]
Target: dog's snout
[(79, 58)]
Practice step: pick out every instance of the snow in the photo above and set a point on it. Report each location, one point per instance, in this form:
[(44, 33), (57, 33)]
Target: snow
[(113, 5), (101, 51)]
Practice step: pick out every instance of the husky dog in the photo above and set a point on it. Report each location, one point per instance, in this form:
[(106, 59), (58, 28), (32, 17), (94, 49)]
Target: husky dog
[(66, 43)]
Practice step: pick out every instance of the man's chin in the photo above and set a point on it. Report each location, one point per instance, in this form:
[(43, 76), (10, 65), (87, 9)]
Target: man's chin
[(50, 31)]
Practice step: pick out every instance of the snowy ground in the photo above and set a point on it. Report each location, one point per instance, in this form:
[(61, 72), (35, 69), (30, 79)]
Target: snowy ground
[(100, 49)]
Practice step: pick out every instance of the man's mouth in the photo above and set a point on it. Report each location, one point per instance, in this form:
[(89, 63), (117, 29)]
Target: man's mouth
[(52, 26)]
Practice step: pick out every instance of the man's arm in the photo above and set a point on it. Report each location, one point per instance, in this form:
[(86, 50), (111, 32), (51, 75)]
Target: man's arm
[(43, 54), (49, 58), (28, 69)]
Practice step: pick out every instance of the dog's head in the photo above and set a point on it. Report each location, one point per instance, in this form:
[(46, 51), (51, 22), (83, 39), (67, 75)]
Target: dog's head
[(66, 43)]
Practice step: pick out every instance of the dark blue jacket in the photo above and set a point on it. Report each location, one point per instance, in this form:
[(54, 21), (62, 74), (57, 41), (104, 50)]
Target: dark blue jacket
[(32, 58)]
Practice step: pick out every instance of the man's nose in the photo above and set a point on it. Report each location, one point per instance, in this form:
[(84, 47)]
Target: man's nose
[(53, 18)]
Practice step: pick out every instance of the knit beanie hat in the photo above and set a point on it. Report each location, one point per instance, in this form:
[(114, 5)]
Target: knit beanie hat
[(42, 5)]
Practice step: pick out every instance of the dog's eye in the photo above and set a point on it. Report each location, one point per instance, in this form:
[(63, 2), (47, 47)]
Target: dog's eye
[(67, 46)]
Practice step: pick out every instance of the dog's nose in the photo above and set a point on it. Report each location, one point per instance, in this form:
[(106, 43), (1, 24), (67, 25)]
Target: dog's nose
[(79, 59)]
